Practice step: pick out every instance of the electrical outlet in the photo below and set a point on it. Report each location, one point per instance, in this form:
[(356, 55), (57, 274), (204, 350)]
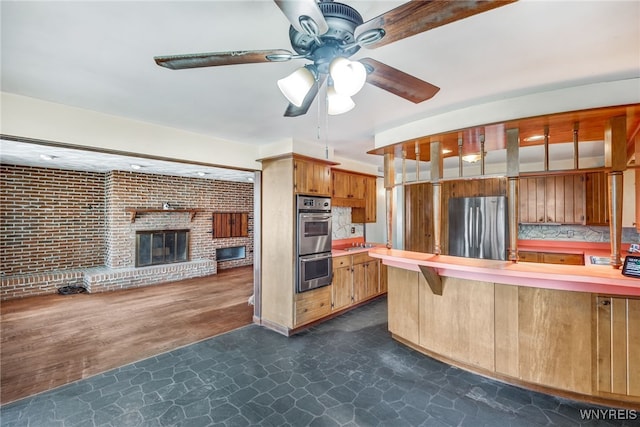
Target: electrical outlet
[(353, 230)]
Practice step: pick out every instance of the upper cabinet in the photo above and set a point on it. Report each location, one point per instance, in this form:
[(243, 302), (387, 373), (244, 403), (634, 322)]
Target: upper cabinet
[(357, 191), (370, 210), (558, 199), (312, 177), (597, 195), (230, 224), (348, 188), (564, 199)]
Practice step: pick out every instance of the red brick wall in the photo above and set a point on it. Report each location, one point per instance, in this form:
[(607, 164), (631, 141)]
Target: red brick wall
[(50, 219), (135, 190), (54, 220)]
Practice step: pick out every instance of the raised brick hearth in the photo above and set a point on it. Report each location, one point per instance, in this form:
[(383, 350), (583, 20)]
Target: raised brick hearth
[(61, 228)]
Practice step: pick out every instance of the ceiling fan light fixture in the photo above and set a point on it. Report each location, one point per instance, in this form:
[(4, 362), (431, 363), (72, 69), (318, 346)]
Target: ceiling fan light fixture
[(297, 84), (471, 158), (348, 76), (338, 103)]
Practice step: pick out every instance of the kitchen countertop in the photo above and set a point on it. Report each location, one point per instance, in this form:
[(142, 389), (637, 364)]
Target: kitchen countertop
[(344, 247), (587, 278)]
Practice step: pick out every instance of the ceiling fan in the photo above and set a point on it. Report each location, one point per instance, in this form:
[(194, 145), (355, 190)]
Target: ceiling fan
[(327, 33)]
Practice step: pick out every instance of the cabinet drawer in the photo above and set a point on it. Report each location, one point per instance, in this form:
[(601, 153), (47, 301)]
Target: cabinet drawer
[(342, 261), (361, 257), (526, 256), (558, 258), (313, 305)]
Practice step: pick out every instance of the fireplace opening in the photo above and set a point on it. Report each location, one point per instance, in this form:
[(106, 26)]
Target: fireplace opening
[(161, 247), (232, 252)]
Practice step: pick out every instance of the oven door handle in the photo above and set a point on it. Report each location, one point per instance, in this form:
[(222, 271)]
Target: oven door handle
[(315, 217), (316, 258)]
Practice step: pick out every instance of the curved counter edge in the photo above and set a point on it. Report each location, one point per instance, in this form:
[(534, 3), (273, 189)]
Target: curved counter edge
[(592, 279)]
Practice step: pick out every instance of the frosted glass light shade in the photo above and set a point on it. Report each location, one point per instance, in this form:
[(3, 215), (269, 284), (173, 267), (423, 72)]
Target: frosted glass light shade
[(338, 103), (348, 76), (296, 85), (471, 158)]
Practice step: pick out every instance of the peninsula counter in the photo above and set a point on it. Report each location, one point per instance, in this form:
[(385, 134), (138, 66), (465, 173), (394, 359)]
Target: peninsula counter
[(572, 331)]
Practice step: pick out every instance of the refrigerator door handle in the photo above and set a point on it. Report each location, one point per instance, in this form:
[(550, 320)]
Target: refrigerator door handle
[(477, 230), (470, 228)]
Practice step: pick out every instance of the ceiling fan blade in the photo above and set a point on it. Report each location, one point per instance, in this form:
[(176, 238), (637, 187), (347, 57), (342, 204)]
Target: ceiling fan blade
[(214, 59), (294, 111), (415, 17), (297, 12), (398, 82)]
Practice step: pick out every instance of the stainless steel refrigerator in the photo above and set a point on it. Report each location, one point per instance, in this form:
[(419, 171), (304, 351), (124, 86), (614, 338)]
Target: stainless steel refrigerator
[(478, 227)]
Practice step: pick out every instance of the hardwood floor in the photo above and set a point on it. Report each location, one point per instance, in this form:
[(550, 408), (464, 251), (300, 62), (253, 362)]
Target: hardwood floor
[(51, 340)]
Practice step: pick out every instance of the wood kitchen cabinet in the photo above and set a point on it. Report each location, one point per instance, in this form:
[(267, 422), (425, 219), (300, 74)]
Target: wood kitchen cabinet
[(313, 305), (230, 224), (366, 277), (597, 199), (356, 278), (618, 345), (342, 285), (551, 257), (555, 199), (370, 210), (282, 177), (348, 185), (418, 225), (312, 177), (357, 191)]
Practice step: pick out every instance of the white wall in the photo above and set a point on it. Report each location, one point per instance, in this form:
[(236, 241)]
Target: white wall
[(41, 120), (621, 92)]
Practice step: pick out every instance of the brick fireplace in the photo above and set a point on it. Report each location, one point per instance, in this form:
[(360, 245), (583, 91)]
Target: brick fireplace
[(62, 228)]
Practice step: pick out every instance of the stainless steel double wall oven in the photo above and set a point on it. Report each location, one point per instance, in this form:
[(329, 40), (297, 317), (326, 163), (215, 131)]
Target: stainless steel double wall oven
[(314, 268)]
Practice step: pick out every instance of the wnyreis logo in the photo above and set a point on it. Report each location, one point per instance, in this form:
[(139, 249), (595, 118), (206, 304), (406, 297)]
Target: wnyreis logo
[(609, 414)]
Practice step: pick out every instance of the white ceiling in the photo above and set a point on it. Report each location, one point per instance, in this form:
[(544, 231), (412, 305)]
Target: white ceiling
[(51, 156), (98, 55)]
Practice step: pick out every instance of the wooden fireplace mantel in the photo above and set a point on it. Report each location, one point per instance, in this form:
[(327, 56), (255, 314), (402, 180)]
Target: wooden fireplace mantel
[(135, 211)]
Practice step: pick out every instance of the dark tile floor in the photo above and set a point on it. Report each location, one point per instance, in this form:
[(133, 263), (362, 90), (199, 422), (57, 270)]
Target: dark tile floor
[(345, 372)]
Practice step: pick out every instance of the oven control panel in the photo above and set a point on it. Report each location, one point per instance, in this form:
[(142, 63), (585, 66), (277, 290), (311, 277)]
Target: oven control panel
[(310, 203)]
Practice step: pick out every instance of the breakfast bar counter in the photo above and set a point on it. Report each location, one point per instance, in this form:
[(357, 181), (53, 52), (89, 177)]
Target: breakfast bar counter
[(572, 331), (581, 278)]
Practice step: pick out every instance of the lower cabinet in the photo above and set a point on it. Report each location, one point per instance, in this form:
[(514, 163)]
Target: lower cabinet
[(551, 258), (356, 278), (618, 345), (313, 305), (342, 286)]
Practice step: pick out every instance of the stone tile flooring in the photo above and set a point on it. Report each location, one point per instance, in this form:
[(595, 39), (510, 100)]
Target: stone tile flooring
[(345, 372)]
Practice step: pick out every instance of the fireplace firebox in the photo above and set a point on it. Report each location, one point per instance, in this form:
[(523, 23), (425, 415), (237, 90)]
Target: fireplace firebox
[(161, 247)]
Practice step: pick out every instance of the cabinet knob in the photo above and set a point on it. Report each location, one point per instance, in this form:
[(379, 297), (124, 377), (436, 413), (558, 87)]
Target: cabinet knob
[(605, 302)]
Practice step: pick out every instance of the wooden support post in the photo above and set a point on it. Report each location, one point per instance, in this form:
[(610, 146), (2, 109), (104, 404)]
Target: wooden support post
[(417, 152), (389, 183), (482, 155), (436, 175), (546, 148), (615, 159), (460, 162), (576, 150), (513, 172), (637, 181)]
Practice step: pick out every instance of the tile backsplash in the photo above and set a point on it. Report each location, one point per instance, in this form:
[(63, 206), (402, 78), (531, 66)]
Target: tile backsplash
[(342, 224), (577, 233)]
